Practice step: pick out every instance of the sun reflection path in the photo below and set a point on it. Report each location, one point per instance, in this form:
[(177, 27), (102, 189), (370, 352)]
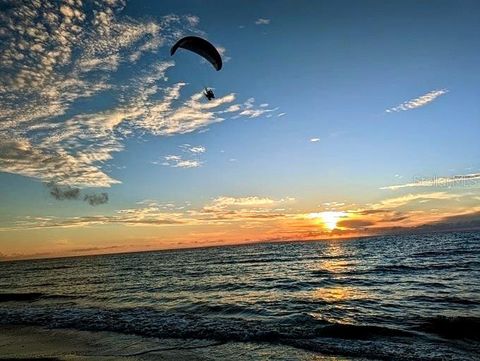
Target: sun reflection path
[(335, 264)]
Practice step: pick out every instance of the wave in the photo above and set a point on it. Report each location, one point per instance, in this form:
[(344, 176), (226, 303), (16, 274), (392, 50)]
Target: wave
[(150, 322), (299, 330), (454, 251), (262, 260), (20, 297), (62, 297), (400, 268), (360, 332), (222, 309), (462, 327), (187, 324), (47, 268), (447, 299), (322, 273), (33, 296)]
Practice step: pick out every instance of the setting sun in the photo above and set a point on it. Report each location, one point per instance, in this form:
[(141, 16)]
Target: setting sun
[(329, 218)]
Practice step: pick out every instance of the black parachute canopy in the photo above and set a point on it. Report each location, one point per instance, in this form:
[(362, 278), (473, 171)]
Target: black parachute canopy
[(201, 47)]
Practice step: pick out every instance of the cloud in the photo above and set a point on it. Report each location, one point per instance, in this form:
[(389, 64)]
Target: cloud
[(223, 53), (48, 54), (223, 202), (456, 180), (57, 59), (333, 204), (48, 49), (199, 149), (262, 21), (252, 205), (191, 160), (256, 218), (249, 110), (408, 198), (418, 102), (86, 221), (221, 210), (250, 210), (194, 149), (408, 212), (160, 117), (314, 140), (176, 161), (61, 193), (187, 163), (354, 223), (96, 199), (151, 214)]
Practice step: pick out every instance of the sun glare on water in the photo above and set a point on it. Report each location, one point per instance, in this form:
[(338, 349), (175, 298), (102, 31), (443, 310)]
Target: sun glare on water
[(328, 218)]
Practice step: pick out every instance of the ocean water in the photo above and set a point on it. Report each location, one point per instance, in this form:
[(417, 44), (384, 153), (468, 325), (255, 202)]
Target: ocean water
[(405, 297)]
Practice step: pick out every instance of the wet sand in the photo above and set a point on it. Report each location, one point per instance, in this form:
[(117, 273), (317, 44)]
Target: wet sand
[(36, 343)]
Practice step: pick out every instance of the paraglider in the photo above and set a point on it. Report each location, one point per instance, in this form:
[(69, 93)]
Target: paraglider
[(203, 48), (209, 94)]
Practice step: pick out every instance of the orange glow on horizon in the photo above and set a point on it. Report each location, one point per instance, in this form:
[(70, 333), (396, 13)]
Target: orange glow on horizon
[(328, 218)]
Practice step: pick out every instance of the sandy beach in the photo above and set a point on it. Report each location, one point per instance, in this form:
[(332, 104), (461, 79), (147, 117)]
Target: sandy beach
[(36, 343)]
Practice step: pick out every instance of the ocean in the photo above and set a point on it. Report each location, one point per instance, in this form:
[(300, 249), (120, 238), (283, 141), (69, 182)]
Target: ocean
[(401, 297)]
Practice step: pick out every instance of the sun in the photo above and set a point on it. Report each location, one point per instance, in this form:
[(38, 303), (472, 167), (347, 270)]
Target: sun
[(328, 218)]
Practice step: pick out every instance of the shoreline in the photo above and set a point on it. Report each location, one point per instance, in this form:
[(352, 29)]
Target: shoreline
[(43, 344)]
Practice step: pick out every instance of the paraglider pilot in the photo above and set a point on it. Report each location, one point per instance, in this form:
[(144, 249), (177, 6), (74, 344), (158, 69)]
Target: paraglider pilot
[(203, 48), (209, 94)]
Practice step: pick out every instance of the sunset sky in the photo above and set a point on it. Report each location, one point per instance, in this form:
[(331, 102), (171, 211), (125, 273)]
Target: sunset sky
[(332, 119)]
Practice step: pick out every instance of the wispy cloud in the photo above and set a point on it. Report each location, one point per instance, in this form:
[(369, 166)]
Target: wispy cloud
[(254, 201), (314, 140), (333, 205), (194, 149), (176, 161), (222, 210), (53, 55), (223, 52), (262, 21), (456, 180), (190, 159), (408, 198), (418, 102), (249, 110)]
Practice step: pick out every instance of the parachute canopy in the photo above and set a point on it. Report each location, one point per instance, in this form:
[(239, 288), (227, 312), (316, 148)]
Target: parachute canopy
[(201, 47)]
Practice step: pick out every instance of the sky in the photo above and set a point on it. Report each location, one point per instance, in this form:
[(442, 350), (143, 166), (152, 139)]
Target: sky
[(331, 120)]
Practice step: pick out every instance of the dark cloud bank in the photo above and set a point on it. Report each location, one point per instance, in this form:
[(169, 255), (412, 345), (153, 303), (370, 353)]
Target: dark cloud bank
[(61, 193)]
